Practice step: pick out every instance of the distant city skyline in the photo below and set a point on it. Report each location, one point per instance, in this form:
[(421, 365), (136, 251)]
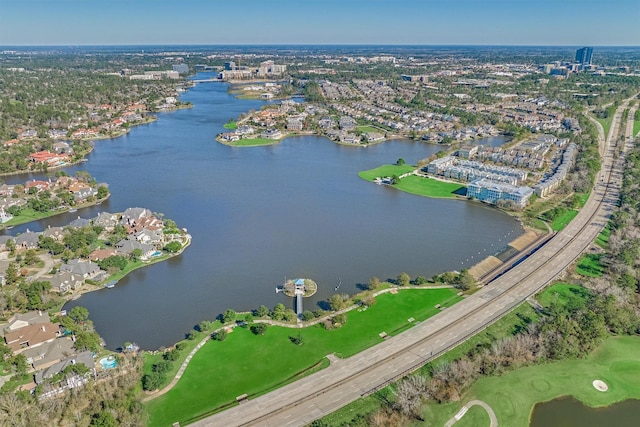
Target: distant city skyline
[(417, 22)]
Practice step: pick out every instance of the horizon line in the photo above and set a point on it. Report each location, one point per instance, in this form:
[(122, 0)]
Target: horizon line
[(310, 44)]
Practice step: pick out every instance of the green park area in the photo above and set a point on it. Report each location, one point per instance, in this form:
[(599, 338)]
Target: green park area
[(513, 395), (231, 125), (365, 129), (222, 371), (414, 184)]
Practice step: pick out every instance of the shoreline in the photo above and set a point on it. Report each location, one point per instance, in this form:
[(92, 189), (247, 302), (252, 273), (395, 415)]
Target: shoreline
[(52, 214), (88, 287)]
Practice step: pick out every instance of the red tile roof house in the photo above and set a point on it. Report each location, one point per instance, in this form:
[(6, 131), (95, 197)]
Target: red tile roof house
[(31, 336), (40, 185)]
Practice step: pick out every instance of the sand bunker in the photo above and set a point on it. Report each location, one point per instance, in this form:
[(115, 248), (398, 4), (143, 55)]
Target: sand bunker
[(600, 385)]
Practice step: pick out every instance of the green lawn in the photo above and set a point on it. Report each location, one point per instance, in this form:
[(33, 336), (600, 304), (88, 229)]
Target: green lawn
[(606, 124), (253, 142), (561, 293), (28, 215), (384, 171), (430, 187), (589, 266), (369, 129), (513, 395), (244, 363), (563, 220), (231, 125), (413, 184), (636, 127)]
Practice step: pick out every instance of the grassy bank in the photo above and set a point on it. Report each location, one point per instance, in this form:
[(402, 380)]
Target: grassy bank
[(606, 124), (221, 371), (562, 220), (513, 395), (421, 186), (252, 142), (589, 266), (231, 125)]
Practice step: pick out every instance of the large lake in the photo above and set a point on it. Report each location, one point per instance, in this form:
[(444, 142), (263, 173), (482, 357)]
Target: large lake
[(258, 215)]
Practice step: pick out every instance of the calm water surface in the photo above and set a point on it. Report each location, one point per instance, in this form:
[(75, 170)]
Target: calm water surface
[(569, 412), (296, 209)]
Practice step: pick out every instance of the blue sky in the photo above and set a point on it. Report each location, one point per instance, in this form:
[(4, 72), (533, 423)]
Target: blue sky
[(422, 22)]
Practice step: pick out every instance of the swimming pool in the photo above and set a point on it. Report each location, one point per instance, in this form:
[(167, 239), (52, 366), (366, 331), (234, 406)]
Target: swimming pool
[(109, 362)]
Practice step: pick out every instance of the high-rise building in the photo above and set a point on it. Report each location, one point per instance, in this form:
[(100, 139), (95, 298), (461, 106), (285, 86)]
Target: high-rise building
[(583, 56)]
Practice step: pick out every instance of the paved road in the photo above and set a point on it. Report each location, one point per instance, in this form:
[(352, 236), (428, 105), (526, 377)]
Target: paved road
[(346, 380)]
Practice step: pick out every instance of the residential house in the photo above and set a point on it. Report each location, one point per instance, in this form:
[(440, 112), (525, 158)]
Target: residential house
[(62, 147), (294, 124), (106, 220), (127, 246), (31, 336), (272, 134), (79, 223), (56, 233), (86, 269), (230, 136), (28, 240), (100, 254), (4, 242), (82, 190), (347, 123), (38, 185), (6, 190), (132, 216), (150, 237), (21, 320), (65, 281), (41, 357), (86, 358)]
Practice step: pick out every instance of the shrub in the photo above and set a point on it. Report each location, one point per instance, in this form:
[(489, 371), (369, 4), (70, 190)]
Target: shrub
[(259, 328), (220, 335)]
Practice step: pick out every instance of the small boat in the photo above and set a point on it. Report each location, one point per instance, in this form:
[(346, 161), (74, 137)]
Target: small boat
[(73, 210), (10, 227), (111, 284)]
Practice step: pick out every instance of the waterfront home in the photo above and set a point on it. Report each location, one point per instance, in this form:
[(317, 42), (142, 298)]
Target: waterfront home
[(133, 215), (27, 240), (152, 237), (81, 190), (79, 223), (106, 220), (86, 269), (245, 130), (38, 185), (62, 147), (31, 336), (47, 354), (294, 124), (56, 233), (230, 136), (65, 281), (347, 123), (127, 246), (86, 358), (374, 136), (272, 134)]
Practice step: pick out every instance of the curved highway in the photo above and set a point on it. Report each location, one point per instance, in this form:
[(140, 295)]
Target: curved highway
[(346, 380)]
